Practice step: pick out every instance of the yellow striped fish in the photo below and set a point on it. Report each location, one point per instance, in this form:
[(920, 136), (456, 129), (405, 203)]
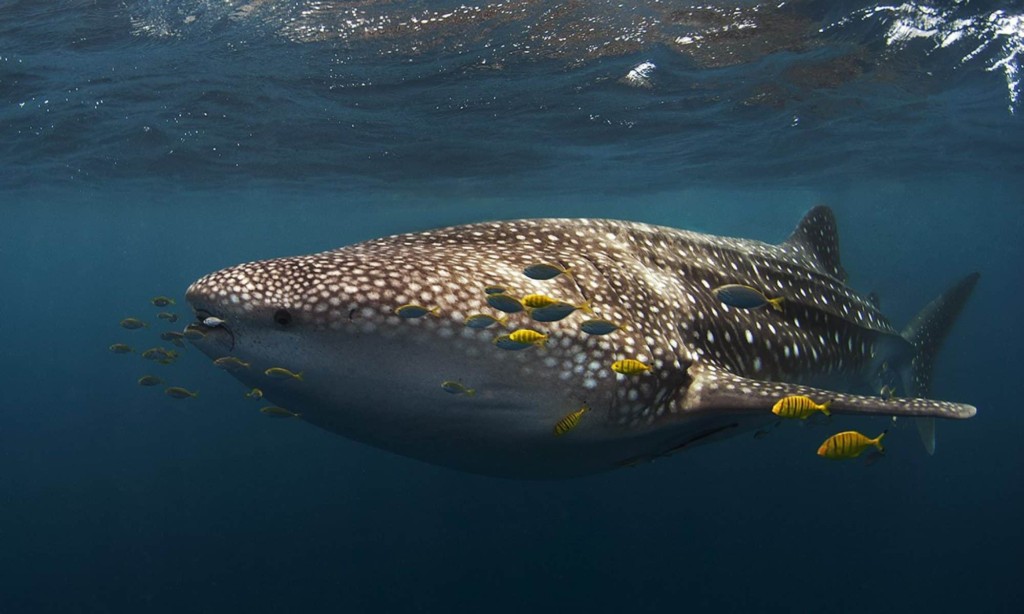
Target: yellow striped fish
[(630, 366), (569, 422), (799, 407), (849, 444), (537, 301), (525, 335)]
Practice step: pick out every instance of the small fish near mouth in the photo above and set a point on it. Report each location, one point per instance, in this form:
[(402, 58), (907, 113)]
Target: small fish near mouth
[(207, 323)]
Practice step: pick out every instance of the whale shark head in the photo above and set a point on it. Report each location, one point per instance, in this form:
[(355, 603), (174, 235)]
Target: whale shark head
[(385, 379), (377, 377)]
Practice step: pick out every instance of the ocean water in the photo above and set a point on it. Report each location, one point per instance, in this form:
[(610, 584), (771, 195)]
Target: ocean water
[(148, 142)]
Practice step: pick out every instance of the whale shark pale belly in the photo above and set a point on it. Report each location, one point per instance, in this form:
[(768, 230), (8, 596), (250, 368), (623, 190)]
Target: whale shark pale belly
[(376, 377)]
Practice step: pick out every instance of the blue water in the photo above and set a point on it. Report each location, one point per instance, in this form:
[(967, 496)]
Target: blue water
[(146, 143)]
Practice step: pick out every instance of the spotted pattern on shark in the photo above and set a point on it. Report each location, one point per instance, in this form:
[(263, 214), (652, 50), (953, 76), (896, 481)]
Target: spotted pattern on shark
[(656, 282)]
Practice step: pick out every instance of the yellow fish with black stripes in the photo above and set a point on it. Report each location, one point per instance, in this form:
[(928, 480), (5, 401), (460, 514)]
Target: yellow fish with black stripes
[(849, 444), (630, 366), (799, 406), (537, 301), (569, 422), (528, 336)]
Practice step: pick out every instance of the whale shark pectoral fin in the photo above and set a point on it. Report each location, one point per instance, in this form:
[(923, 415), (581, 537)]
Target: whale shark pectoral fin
[(714, 389)]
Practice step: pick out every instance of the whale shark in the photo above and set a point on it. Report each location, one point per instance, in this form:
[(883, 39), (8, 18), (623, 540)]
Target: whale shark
[(713, 370)]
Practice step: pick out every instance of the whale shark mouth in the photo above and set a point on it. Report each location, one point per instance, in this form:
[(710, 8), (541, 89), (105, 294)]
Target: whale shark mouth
[(201, 315)]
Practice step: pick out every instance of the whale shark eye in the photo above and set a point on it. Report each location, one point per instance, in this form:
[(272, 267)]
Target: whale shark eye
[(282, 317)]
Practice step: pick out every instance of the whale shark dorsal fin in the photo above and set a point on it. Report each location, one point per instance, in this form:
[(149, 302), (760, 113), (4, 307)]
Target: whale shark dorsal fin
[(720, 391), (817, 237)]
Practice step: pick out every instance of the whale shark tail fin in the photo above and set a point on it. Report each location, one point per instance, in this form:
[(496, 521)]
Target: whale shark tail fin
[(926, 332), (816, 237)]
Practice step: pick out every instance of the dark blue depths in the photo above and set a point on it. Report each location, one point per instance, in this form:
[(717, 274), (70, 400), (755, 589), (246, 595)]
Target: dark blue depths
[(115, 498)]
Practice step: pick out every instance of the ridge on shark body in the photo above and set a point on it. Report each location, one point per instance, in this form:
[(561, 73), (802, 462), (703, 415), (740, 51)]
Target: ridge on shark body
[(712, 370)]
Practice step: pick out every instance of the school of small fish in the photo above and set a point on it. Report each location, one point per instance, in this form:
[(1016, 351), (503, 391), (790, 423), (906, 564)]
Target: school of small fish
[(166, 356), (537, 307)]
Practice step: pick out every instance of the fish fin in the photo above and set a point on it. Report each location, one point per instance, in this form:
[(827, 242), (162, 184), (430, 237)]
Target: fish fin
[(929, 328), (776, 303), (715, 389), (926, 332), (502, 321), (435, 311), (817, 238), (298, 376), (585, 308), (878, 440), (825, 408), (926, 431)]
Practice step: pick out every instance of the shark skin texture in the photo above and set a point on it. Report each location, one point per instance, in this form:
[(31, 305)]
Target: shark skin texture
[(376, 377)]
